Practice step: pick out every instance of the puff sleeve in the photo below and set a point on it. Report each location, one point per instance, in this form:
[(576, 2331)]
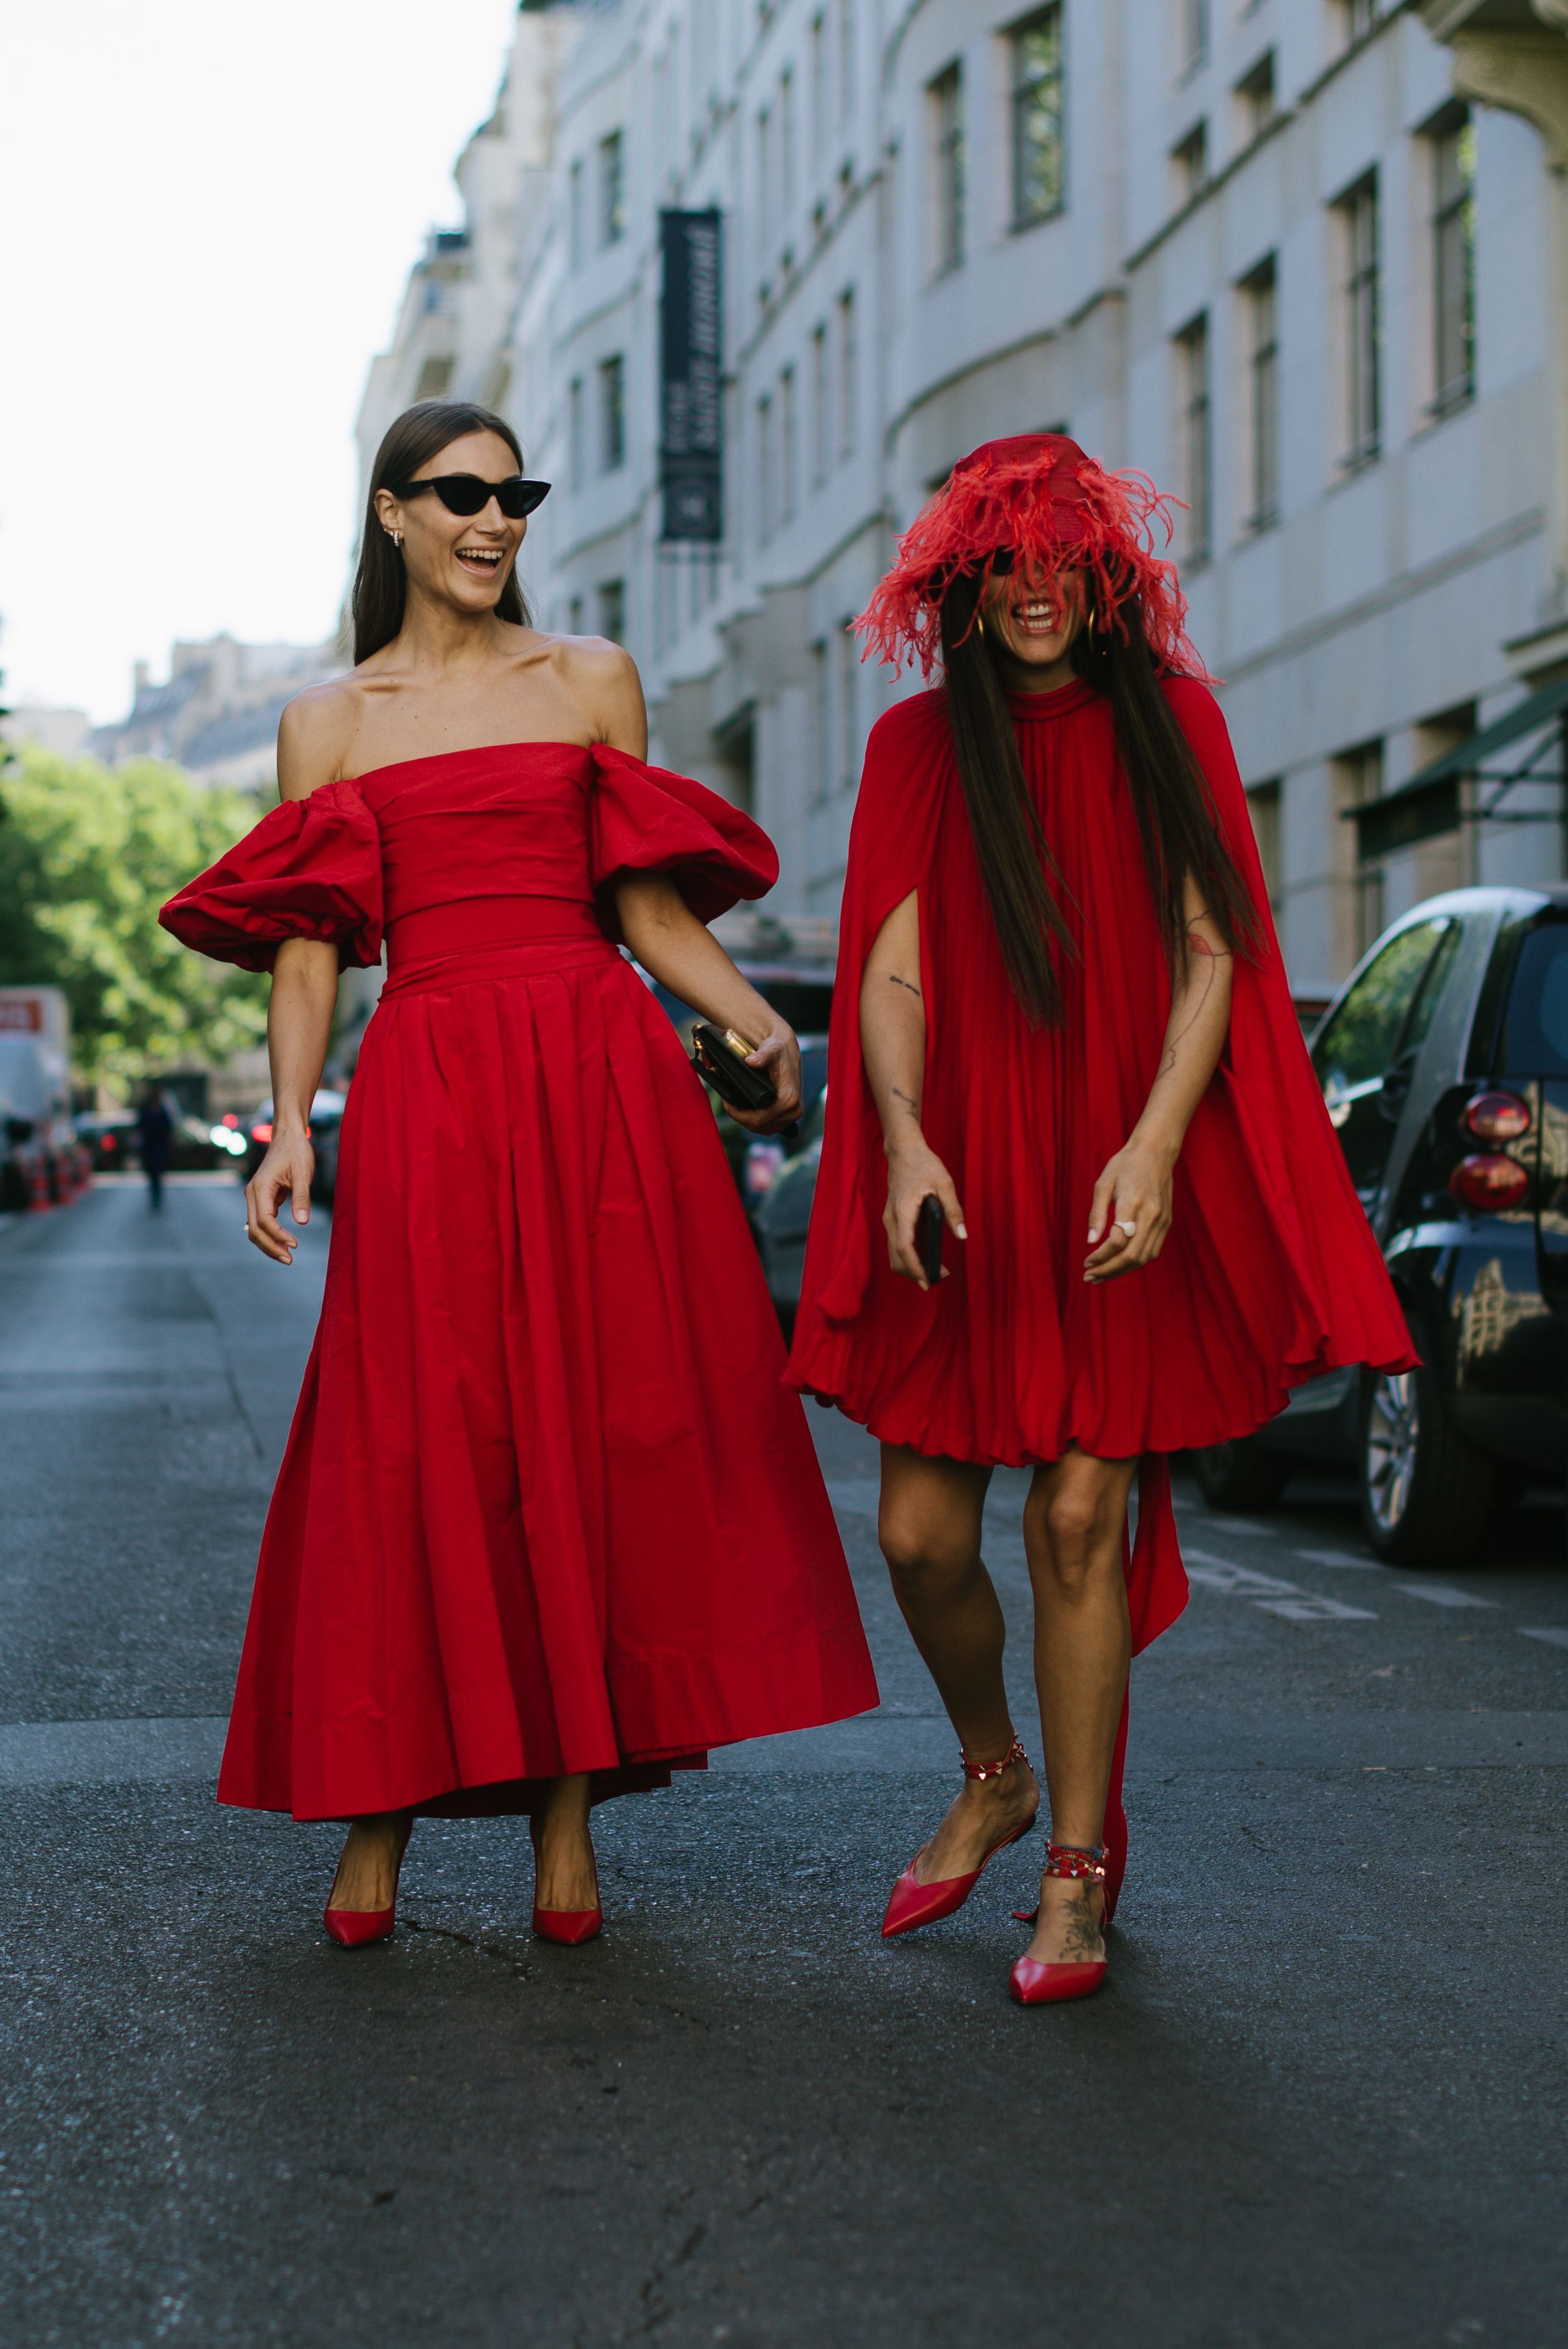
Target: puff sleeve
[(646, 820), (310, 869)]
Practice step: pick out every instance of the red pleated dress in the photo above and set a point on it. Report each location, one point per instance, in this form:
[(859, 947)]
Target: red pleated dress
[(546, 1506), (1270, 1274)]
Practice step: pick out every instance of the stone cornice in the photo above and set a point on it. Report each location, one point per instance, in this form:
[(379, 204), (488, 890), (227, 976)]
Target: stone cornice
[(1524, 73)]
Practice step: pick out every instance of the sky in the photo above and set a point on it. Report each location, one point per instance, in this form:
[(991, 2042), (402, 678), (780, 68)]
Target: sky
[(207, 213)]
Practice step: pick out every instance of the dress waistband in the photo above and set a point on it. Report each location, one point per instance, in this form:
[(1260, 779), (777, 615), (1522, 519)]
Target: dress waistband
[(480, 939)]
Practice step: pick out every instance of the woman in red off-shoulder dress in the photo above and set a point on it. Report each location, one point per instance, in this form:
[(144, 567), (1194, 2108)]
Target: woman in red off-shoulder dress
[(548, 1526), (1060, 1013)]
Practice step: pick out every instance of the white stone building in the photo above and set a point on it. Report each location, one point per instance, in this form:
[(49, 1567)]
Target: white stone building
[(1304, 260), (216, 713)]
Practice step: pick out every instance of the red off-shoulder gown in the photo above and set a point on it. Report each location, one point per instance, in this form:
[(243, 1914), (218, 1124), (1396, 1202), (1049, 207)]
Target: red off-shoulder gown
[(546, 1506), (1270, 1274)]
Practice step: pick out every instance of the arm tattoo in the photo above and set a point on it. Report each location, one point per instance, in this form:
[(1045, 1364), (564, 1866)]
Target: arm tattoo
[(911, 1105), (908, 984)]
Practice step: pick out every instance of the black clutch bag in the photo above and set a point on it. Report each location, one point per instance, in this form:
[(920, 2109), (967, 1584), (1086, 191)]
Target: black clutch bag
[(720, 1057)]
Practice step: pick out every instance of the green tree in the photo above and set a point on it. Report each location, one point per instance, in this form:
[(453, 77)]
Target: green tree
[(87, 858)]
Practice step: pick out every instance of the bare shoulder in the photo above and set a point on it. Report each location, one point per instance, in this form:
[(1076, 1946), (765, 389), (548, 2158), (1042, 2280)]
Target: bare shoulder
[(315, 734), (602, 680)]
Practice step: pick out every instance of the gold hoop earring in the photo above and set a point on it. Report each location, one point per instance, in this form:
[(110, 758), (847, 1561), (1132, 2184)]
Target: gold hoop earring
[(980, 621)]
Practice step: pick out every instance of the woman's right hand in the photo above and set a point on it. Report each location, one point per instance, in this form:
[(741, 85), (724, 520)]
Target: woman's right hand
[(284, 1173), (915, 1174)]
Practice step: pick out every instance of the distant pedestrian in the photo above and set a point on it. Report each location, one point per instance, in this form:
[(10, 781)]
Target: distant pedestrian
[(1061, 1014), (550, 1525), (154, 1132)]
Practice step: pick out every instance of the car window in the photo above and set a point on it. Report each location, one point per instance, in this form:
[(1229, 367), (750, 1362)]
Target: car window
[(1535, 1027), (1362, 1036), (1429, 993)]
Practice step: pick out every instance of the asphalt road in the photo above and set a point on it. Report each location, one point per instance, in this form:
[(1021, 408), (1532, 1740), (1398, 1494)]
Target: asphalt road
[(1322, 2100)]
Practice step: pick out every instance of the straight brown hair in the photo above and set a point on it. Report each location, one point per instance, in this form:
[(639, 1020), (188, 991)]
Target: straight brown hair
[(380, 585), (1170, 800)]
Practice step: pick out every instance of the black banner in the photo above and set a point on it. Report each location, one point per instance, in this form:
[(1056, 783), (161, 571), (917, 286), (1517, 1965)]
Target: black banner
[(691, 396)]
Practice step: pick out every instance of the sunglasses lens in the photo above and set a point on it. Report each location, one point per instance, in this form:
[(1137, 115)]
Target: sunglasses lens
[(463, 493), (525, 496)]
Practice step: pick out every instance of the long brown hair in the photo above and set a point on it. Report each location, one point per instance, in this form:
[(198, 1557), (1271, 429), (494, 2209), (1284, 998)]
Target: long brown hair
[(1170, 800), (380, 585)]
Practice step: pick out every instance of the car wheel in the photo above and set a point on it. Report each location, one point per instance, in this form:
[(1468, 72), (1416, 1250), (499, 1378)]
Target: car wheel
[(1241, 1476), (1426, 1494)]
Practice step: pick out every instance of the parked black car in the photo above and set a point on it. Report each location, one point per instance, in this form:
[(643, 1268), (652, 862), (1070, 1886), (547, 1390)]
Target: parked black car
[(784, 1214), (1444, 1063)]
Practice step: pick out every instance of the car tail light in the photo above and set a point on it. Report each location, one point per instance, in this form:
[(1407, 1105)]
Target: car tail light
[(1489, 1183), (764, 1164), (261, 1133), (1495, 1117), (228, 1118), (108, 1142)]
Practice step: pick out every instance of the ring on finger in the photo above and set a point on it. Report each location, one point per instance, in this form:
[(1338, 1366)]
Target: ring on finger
[(1130, 1229)]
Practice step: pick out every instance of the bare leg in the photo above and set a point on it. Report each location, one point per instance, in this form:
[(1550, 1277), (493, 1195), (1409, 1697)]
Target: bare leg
[(929, 1527), (367, 1866), (1073, 1522), (565, 1873)]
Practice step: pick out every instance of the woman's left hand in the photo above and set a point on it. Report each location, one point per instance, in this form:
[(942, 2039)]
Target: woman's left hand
[(1134, 1189), (778, 1055)]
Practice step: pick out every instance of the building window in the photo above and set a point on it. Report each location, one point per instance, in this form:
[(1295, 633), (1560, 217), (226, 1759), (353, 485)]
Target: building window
[(822, 722), (1358, 777), (1195, 427), (789, 451), (575, 240), (1264, 806), (612, 413), (766, 470), (1260, 307), (435, 378), (576, 433), (817, 59), (787, 143), (849, 665), (846, 59), (1356, 17), (1255, 98), (613, 610), (575, 616), (1038, 181), (1192, 30), (946, 98), (612, 189), (1190, 164), (1363, 322), (822, 405), (1453, 264), (849, 373)]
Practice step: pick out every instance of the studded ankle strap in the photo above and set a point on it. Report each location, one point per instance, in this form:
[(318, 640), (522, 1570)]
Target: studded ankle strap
[(1070, 1860), (983, 1770)]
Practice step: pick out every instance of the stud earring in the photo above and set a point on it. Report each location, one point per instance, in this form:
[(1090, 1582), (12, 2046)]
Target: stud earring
[(396, 536), (980, 623)]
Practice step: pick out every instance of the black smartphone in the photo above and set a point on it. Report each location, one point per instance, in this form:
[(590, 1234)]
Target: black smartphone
[(928, 1226)]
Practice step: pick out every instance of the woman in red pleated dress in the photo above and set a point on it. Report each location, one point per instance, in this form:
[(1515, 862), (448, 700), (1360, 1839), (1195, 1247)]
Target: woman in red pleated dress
[(549, 1525), (1060, 1014)]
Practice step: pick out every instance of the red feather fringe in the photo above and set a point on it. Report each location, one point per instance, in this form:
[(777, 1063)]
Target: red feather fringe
[(1059, 511)]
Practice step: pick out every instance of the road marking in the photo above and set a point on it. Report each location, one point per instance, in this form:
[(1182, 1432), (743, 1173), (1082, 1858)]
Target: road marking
[(1443, 1594), (1286, 1599), (1337, 1557), (1557, 1637)]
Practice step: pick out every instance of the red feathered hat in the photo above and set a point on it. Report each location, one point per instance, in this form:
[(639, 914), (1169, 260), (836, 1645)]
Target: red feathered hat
[(1041, 496)]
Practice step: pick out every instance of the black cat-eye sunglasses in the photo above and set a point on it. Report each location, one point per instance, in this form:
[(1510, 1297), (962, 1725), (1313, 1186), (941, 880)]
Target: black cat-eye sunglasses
[(466, 493)]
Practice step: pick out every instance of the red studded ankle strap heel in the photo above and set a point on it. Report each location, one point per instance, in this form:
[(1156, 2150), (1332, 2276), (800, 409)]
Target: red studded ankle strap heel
[(912, 1903), (1033, 1984)]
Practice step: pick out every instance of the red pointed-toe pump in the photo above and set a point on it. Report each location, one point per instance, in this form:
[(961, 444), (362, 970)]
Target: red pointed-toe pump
[(355, 1928), (1033, 1984), (914, 1904), (568, 1926)]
